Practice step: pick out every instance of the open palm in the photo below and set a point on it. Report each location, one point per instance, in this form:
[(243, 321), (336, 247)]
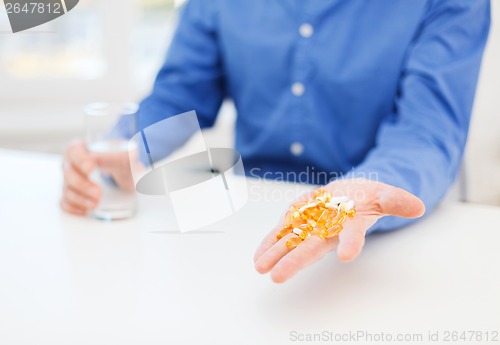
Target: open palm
[(373, 200)]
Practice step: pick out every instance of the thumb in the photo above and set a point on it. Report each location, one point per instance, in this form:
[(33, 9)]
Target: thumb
[(398, 202)]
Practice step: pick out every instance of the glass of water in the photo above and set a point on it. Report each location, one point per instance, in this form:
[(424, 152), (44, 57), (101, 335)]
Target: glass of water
[(108, 127)]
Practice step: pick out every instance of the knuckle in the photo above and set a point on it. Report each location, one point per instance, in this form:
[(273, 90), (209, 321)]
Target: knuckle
[(292, 263), (73, 180), (74, 197)]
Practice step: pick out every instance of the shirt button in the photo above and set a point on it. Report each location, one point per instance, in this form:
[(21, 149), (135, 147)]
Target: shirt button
[(296, 148), (298, 89), (306, 30)]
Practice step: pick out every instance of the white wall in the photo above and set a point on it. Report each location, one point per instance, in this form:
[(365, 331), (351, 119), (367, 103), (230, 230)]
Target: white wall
[(483, 151)]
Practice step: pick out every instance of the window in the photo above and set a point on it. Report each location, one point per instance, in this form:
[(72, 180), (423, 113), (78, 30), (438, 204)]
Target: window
[(100, 50)]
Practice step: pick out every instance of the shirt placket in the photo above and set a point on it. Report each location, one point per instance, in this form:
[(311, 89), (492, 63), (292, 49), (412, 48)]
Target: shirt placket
[(301, 82)]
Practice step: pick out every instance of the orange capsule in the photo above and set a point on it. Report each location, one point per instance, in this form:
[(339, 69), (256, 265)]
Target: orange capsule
[(324, 199), (334, 230), (316, 213), (293, 212), (320, 232), (313, 203), (351, 213), (283, 232), (303, 235), (321, 215), (293, 242), (338, 218), (304, 216), (305, 227), (297, 223), (343, 215), (288, 219), (311, 222), (321, 221)]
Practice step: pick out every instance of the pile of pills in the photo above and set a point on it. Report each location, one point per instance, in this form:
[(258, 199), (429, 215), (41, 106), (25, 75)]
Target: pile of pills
[(322, 216)]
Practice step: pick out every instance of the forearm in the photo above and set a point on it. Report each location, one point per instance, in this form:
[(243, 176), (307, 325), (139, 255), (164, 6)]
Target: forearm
[(420, 146)]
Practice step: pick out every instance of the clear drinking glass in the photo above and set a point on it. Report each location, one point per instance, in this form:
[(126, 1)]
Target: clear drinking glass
[(108, 127)]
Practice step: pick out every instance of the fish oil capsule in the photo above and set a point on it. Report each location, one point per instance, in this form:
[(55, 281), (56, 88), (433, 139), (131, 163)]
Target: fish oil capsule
[(334, 218), (351, 213), (311, 222), (320, 232), (288, 219), (283, 232), (291, 209), (306, 227), (334, 230), (303, 235), (322, 216), (316, 213), (343, 215), (321, 221), (293, 242), (293, 223), (296, 223), (311, 204), (329, 224), (339, 218), (348, 205), (338, 199)]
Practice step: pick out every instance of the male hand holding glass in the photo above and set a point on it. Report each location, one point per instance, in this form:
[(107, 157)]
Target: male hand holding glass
[(97, 174), (381, 88)]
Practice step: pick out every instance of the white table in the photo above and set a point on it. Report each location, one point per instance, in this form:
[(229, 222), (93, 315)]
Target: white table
[(69, 280)]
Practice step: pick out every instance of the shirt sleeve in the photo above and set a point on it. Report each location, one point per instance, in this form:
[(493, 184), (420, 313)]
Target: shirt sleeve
[(191, 77), (420, 145)]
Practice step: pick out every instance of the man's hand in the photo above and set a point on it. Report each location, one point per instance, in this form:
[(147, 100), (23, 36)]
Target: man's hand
[(80, 194), (373, 200)]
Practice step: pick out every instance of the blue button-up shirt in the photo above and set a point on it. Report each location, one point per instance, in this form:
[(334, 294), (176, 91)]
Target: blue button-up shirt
[(379, 88)]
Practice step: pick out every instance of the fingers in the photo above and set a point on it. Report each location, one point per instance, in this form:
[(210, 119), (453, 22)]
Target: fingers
[(305, 254), (398, 202), (80, 183), (266, 261), (378, 200), (76, 203), (78, 156), (78, 200), (267, 242), (117, 165), (270, 239), (72, 209), (352, 239), (80, 195)]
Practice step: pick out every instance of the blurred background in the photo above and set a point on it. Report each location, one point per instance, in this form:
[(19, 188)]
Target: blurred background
[(99, 53)]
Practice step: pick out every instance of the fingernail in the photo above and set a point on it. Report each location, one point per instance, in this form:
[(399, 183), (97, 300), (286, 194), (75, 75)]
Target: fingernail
[(89, 203)]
